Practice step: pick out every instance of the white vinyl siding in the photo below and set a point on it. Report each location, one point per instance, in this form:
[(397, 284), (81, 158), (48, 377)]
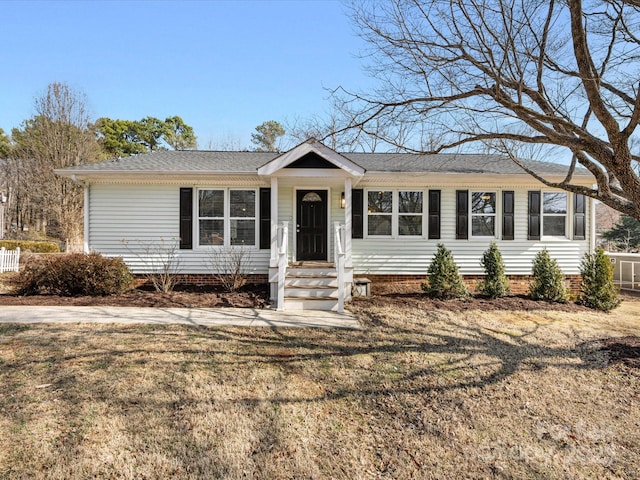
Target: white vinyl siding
[(412, 256), (124, 219), (128, 220)]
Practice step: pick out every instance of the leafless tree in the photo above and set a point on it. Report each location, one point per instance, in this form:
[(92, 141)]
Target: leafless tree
[(57, 136), (508, 73), (333, 131)]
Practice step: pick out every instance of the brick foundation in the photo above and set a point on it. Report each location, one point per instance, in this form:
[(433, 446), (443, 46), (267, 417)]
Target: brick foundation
[(519, 284), (203, 279)]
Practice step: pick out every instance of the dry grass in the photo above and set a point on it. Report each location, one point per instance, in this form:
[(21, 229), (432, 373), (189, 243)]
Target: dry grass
[(416, 394)]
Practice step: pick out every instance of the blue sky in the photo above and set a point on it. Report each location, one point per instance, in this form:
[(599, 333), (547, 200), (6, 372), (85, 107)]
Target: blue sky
[(224, 67)]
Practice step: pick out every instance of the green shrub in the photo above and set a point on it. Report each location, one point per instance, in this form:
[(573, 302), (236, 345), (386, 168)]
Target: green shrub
[(74, 275), (495, 283), (548, 279), (30, 246), (597, 289), (444, 280)]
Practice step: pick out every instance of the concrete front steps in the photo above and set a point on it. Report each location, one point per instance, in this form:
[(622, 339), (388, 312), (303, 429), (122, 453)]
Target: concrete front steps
[(311, 286)]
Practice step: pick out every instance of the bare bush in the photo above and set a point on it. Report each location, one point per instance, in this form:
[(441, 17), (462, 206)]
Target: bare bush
[(160, 260), (230, 266)]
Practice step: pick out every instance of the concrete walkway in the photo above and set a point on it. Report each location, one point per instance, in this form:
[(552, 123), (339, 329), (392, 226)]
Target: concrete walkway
[(209, 317)]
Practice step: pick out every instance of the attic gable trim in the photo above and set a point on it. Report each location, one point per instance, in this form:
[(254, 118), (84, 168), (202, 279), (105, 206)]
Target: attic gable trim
[(311, 146)]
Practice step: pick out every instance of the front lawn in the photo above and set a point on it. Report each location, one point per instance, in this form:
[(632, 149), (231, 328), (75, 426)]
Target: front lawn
[(418, 393)]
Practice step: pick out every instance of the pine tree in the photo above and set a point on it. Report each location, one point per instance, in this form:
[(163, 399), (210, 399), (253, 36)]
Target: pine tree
[(625, 234), (548, 279), (495, 283), (597, 289), (444, 280)]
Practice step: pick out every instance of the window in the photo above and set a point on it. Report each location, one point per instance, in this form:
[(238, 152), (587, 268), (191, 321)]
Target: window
[(483, 214), (226, 217), (242, 217), (211, 217), (554, 214), (409, 213), (395, 213), (379, 213)]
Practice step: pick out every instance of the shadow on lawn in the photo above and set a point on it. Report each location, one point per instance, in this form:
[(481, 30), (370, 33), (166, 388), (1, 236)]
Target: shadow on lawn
[(453, 346), (437, 353)]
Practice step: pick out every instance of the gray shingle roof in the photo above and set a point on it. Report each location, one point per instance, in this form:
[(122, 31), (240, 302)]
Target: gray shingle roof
[(193, 161)]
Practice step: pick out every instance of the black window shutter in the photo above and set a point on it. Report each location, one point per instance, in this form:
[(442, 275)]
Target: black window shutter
[(186, 218), (434, 214), (265, 218), (534, 215), (579, 210), (357, 211), (462, 214), (508, 204)]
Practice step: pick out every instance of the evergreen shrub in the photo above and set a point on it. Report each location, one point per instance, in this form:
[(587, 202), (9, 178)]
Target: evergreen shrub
[(30, 246), (597, 289), (548, 279), (495, 283), (443, 279)]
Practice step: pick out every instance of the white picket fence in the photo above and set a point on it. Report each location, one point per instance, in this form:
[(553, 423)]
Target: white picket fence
[(9, 260)]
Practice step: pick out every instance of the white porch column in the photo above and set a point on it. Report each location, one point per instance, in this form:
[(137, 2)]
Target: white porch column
[(347, 222), (274, 222)]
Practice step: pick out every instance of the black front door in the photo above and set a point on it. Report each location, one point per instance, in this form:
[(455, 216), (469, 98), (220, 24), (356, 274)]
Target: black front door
[(311, 236)]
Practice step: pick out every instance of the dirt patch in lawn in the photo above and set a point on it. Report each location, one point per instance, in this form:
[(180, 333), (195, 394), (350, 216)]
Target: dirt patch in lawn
[(624, 350)]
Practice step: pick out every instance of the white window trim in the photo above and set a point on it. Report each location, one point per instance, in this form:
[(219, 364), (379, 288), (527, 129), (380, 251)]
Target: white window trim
[(391, 214), (227, 218), (494, 215), (395, 214), (566, 215)]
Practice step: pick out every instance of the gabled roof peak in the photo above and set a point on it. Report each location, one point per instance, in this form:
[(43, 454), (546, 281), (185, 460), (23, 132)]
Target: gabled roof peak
[(315, 147)]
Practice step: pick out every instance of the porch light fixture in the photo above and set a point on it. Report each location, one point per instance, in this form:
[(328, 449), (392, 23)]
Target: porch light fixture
[(342, 200)]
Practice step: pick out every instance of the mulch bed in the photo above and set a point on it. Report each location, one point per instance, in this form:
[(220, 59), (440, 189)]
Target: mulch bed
[(512, 302), (193, 297)]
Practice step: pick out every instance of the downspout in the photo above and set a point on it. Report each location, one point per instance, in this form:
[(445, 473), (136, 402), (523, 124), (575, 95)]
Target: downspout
[(85, 187)]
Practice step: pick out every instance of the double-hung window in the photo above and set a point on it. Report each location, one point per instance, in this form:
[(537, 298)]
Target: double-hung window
[(211, 217), (379, 213), (410, 213), (226, 217), (554, 214), (242, 217), (395, 213), (483, 214)]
